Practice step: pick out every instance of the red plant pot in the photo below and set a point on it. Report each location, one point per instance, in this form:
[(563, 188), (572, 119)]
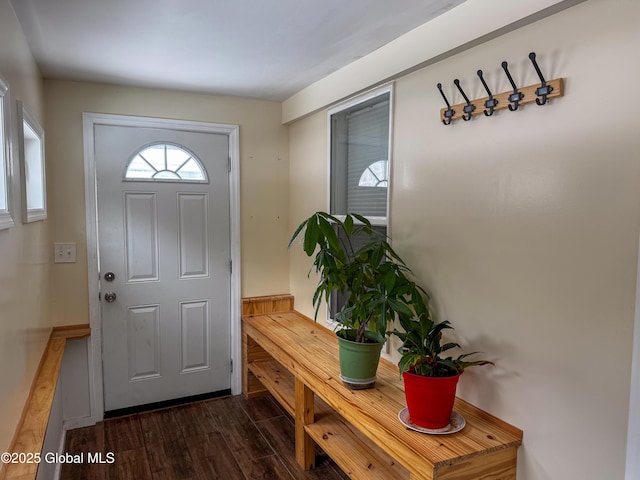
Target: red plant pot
[(430, 399)]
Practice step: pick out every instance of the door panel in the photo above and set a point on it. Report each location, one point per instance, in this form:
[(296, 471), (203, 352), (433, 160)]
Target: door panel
[(195, 335), (167, 334), (143, 342), (194, 237), (141, 234)]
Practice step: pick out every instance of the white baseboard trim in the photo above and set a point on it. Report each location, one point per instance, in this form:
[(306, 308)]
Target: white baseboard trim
[(61, 445), (632, 469), (79, 422), (67, 425)]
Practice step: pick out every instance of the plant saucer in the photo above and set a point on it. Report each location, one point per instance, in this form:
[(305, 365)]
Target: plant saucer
[(355, 384), (456, 423)]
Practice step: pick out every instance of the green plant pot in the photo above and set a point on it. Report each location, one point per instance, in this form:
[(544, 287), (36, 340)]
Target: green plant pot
[(358, 363)]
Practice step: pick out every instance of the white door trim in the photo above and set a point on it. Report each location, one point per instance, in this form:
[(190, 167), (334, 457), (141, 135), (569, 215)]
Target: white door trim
[(632, 470), (89, 121)]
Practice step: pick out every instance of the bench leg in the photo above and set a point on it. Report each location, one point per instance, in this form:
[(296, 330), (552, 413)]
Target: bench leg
[(305, 447)]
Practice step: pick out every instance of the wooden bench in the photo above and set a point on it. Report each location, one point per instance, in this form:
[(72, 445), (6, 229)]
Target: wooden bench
[(296, 360), (31, 429)]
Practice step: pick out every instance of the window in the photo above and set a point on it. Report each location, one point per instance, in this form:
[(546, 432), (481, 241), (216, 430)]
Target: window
[(359, 157), (165, 162), (31, 140), (5, 156), (360, 133), (376, 175)]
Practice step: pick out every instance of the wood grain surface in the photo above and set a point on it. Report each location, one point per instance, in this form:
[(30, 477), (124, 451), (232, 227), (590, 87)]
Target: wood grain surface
[(310, 354), (228, 438)]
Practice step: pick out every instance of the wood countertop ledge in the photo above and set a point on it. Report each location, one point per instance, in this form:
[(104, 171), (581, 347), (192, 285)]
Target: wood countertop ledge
[(29, 435)]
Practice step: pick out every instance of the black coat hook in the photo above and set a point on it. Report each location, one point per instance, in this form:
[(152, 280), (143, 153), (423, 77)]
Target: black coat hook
[(491, 103), (543, 90), (449, 112), (469, 107), (516, 96)]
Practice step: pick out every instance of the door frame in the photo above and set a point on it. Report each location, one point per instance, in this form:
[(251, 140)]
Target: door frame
[(632, 468), (89, 122)]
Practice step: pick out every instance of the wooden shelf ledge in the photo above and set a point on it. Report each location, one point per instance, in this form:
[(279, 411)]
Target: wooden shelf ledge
[(278, 381), (289, 355), (29, 435), (349, 448), (356, 455), (267, 304), (71, 332)]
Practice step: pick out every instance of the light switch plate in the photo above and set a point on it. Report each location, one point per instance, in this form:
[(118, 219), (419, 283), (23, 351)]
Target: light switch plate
[(64, 252)]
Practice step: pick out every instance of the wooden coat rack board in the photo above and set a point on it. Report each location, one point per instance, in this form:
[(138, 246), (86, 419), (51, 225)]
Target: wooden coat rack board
[(512, 99)]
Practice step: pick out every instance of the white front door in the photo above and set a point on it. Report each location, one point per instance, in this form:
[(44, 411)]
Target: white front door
[(164, 254)]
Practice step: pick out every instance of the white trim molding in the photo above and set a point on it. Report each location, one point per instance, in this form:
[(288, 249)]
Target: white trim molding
[(90, 121), (6, 163), (632, 471), (30, 131)]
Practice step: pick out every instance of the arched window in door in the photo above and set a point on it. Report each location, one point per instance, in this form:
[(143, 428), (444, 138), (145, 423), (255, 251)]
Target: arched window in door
[(165, 162)]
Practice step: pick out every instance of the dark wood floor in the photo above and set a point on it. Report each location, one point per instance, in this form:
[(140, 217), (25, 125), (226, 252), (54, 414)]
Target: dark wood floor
[(225, 438)]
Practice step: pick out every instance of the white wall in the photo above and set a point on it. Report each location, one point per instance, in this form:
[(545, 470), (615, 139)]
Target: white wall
[(524, 227), (74, 378), (24, 248)]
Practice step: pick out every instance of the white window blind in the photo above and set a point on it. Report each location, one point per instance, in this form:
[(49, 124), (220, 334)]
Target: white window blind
[(360, 159)]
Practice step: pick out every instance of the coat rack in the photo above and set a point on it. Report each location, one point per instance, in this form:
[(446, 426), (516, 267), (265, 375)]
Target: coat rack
[(513, 99)]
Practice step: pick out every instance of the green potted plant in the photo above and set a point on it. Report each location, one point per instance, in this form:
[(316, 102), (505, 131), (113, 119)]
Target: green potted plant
[(430, 379), (352, 258)]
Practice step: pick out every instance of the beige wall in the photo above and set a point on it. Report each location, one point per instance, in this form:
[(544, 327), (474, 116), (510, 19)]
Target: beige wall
[(524, 227), (263, 179), (308, 193), (24, 248)]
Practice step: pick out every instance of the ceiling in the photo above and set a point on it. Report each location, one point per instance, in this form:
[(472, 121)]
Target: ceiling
[(266, 49)]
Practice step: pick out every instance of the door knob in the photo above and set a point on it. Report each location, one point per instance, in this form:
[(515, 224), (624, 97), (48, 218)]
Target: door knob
[(109, 276), (110, 297)]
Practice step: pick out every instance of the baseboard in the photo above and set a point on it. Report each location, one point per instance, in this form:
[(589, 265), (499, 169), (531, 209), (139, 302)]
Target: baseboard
[(61, 445), (79, 422)]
